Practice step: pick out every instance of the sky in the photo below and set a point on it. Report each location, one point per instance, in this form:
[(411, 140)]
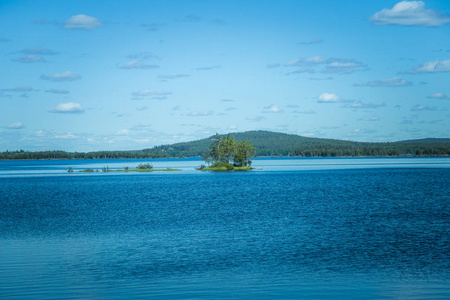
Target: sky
[(127, 75)]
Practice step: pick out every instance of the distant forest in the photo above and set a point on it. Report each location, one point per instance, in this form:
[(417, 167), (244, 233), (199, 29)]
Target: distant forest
[(266, 143)]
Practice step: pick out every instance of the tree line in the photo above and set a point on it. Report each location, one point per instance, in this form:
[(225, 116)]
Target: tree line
[(266, 143)]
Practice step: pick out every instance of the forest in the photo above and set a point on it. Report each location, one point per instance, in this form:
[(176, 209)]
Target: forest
[(266, 143)]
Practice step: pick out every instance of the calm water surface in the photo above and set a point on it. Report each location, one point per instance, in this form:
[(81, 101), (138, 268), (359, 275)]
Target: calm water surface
[(298, 228)]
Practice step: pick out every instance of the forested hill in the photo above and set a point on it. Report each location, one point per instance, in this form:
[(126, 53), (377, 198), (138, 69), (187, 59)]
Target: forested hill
[(267, 144)]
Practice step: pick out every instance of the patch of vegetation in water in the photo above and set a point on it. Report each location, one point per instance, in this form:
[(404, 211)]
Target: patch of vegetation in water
[(125, 169), (87, 170), (224, 166), (152, 170)]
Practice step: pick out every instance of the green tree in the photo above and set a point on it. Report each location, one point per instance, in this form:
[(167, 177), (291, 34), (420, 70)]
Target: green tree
[(227, 148), (146, 166), (243, 152), (214, 149)]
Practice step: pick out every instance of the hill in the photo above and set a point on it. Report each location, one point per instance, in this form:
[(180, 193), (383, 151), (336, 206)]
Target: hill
[(266, 143), (269, 143)]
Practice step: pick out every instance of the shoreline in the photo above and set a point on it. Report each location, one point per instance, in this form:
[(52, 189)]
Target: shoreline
[(190, 157)]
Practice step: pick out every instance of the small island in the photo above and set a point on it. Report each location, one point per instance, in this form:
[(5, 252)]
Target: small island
[(226, 154), (147, 167)]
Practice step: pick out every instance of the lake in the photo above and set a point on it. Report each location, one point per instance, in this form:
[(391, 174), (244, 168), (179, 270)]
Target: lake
[(315, 228)]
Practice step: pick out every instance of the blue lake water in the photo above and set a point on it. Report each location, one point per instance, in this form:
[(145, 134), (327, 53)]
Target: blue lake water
[(356, 228)]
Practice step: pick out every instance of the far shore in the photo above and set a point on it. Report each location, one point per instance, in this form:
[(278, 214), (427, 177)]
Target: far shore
[(293, 157)]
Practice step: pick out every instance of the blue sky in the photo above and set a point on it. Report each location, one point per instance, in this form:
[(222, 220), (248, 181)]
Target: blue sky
[(118, 75)]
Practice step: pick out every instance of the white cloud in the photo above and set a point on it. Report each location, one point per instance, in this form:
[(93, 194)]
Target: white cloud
[(147, 92), (82, 22), (142, 55), (68, 135), (209, 68), (343, 67), (422, 108), (16, 125), (361, 105), (138, 64), (432, 67), (410, 13), (65, 76), (152, 27), (371, 119), (386, 82), (41, 133), (204, 113), (439, 96), (337, 64), (303, 70), (57, 91), (328, 98), (358, 132), (38, 51), (272, 109), (191, 18), (69, 107), (172, 76), (142, 127), (331, 64), (255, 118), (305, 112), (312, 133), (20, 89), (29, 59), (317, 60), (123, 132)]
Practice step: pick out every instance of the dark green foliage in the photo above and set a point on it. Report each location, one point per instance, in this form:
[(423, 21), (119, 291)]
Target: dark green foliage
[(146, 166), (222, 164), (268, 143), (227, 150), (243, 152)]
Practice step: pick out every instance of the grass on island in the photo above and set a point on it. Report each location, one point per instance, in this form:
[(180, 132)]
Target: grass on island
[(226, 169), (107, 170), (242, 168), (151, 170), (223, 166)]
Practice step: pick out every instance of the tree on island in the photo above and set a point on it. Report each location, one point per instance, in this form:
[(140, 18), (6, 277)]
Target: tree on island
[(227, 152)]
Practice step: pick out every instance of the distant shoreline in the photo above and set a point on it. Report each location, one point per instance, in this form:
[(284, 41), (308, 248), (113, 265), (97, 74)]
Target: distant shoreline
[(266, 144), (285, 157)]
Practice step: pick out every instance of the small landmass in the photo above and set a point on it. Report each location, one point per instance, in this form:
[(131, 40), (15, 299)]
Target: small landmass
[(140, 168), (226, 154)]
